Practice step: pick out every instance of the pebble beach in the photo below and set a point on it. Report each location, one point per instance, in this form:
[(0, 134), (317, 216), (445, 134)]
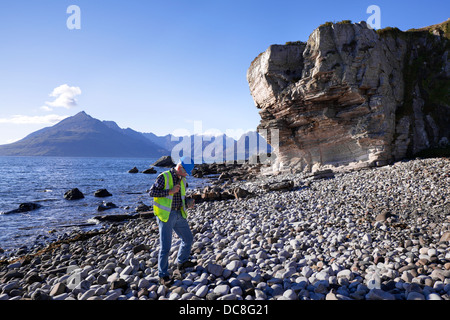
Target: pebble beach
[(374, 234)]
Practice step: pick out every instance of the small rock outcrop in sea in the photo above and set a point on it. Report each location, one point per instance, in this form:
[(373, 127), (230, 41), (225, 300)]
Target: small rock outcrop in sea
[(102, 193), (354, 97), (133, 170), (106, 206), (25, 207), (73, 194), (150, 171), (164, 161)]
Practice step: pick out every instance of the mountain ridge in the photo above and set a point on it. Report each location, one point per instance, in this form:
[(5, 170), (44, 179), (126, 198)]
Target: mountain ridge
[(83, 135)]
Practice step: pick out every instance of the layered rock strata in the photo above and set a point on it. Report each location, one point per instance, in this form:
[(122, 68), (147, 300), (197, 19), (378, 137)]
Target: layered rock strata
[(354, 97)]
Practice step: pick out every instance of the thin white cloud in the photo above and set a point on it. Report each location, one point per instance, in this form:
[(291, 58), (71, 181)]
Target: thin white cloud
[(21, 119), (64, 98)]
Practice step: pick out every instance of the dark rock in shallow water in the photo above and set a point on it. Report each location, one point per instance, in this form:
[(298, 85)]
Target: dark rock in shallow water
[(29, 206), (106, 206), (149, 171), (73, 194), (25, 207), (101, 193), (134, 170)]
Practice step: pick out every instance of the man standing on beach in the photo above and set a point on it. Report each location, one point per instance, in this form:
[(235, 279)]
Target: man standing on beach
[(169, 206)]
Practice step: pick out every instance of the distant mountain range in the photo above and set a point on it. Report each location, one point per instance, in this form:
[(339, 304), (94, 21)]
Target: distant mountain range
[(84, 136)]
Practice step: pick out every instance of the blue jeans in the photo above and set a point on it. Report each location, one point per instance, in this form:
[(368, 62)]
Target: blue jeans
[(180, 225)]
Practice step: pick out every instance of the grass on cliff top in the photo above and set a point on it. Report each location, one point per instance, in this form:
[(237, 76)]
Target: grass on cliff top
[(326, 24), (330, 23), (294, 43), (444, 27)]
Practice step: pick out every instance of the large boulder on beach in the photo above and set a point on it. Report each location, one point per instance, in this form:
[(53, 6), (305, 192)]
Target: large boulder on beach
[(165, 161), (352, 97), (73, 194)]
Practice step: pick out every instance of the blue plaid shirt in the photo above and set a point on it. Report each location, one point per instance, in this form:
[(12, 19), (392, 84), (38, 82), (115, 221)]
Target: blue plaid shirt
[(157, 189)]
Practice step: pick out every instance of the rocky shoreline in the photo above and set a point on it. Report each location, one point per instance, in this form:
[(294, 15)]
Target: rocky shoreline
[(374, 234)]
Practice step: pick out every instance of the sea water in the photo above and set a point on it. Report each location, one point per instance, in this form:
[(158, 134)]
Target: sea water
[(44, 180)]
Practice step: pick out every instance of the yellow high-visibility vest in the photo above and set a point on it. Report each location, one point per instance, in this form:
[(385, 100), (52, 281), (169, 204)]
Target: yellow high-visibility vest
[(163, 205)]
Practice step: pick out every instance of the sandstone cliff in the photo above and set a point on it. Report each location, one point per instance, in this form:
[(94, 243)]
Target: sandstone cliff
[(353, 97)]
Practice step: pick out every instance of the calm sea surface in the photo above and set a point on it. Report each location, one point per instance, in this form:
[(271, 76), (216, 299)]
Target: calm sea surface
[(44, 180)]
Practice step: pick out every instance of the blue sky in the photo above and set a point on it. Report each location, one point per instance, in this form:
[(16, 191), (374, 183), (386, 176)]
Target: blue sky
[(157, 66)]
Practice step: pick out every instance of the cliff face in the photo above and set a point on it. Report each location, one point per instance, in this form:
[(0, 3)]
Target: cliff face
[(353, 97)]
